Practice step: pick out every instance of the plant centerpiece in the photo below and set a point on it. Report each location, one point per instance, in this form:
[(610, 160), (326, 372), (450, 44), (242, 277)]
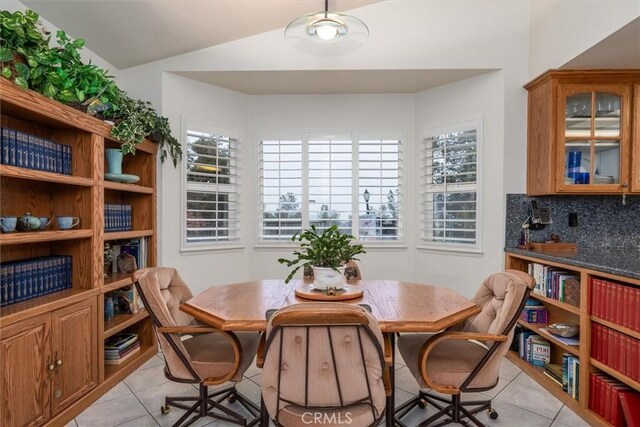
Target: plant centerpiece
[(57, 71), (327, 253)]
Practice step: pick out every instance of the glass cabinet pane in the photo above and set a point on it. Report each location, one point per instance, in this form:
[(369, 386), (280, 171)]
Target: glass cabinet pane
[(578, 115), (607, 162), (607, 116), (577, 162)]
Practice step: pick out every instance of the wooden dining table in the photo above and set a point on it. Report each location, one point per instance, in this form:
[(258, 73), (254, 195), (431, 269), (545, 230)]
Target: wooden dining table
[(398, 307)]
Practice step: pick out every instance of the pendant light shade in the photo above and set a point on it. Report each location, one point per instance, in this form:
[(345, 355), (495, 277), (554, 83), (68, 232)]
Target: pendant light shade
[(327, 33)]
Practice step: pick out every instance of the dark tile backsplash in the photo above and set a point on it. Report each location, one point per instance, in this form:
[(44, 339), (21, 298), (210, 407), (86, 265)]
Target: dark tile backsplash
[(603, 220)]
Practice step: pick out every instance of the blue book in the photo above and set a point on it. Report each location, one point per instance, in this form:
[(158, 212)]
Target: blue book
[(19, 147), (4, 285), (31, 152), (47, 155), (5, 145), (69, 271), (10, 284), (133, 248), (13, 152), (68, 170), (48, 279), (128, 217), (20, 285), (29, 270), (40, 278), (38, 143)]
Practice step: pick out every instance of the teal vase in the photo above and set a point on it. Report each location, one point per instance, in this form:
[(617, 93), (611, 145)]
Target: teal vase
[(114, 160)]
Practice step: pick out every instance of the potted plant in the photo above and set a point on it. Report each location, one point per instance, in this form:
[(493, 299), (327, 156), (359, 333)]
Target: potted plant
[(326, 253)]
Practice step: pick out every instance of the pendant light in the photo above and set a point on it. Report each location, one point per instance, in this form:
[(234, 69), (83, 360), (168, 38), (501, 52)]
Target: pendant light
[(326, 33)]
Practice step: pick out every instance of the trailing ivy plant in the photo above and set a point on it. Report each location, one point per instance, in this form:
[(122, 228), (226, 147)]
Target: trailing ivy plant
[(58, 72)]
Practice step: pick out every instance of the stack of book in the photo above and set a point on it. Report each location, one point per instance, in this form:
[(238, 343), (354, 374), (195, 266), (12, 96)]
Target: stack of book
[(614, 401), (571, 374), (120, 347), (615, 303), (117, 217), (553, 371), (33, 152), (30, 278), (615, 349), (533, 348), (534, 312), (556, 283)]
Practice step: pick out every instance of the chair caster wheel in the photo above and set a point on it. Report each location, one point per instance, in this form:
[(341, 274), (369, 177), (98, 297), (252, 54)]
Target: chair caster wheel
[(422, 404), (232, 399), (493, 414), (165, 409)]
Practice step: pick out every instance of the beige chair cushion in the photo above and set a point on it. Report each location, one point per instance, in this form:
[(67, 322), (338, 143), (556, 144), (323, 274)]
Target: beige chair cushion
[(323, 387), (298, 416), (451, 362), (210, 355)]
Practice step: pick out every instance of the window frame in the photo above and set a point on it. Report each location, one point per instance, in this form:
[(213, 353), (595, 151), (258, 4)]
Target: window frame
[(190, 124), (459, 125), (356, 136)]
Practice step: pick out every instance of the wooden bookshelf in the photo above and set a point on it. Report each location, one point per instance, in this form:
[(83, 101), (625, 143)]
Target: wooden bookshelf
[(75, 315), (562, 312)]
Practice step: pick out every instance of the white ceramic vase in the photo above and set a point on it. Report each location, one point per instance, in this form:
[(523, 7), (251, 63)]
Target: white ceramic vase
[(324, 277)]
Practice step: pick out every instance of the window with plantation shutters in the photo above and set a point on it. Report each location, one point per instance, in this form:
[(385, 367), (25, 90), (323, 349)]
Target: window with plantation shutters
[(212, 187), (352, 180), (450, 190)]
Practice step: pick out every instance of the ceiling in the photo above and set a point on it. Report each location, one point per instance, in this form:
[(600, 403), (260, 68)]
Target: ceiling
[(156, 29), (330, 81), (620, 50)]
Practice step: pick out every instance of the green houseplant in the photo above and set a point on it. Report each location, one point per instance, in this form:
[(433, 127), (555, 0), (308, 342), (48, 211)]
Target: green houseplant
[(29, 60), (325, 252)]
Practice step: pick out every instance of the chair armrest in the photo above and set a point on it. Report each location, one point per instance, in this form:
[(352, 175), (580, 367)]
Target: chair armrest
[(388, 352), (446, 336), (260, 354), (192, 329)]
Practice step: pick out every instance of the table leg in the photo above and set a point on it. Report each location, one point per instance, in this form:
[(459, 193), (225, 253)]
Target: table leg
[(391, 400)]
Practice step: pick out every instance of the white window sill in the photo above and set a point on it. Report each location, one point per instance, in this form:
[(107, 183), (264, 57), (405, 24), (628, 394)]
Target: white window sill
[(196, 250), (367, 246), (452, 249)]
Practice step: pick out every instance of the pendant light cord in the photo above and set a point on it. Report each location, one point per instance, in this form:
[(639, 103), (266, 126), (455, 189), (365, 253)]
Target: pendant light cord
[(326, 9)]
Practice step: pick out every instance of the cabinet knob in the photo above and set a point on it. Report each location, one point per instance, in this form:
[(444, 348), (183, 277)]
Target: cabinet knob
[(58, 362), (51, 367)]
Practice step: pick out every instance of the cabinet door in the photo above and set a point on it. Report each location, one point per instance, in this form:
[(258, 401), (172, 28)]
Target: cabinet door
[(74, 349), (25, 378), (635, 144), (594, 133)]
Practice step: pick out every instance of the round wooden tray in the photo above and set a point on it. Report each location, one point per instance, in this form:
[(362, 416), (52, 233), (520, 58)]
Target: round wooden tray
[(346, 293)]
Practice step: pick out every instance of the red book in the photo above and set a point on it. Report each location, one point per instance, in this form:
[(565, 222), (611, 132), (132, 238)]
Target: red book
[(597, 297), (636, 308), (601, 297), (601, 396), (594, 340), (615, 348), (616, 408), (592, 392), (607, 400), (609, 349), (630, 402), (600, 347), (632, 360), (636, 344), (626, 310), (619, 303), (606, 310), (622, 353), (612, 302), (592, 295)]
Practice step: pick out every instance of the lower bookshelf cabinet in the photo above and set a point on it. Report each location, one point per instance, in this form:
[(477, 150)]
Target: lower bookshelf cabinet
[(602, 307)]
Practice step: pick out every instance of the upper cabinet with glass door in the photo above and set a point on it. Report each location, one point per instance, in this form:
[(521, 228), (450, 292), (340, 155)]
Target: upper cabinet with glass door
[(579, 132)]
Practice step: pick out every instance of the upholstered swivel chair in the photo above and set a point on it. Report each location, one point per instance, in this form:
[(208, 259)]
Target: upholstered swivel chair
[(351, 272), (324, 363), (467, 358), (194, 352)]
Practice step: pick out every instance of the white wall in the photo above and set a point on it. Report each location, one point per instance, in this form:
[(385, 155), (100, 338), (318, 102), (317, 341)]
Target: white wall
[(333, 113), (482, 95), (181, 98), (562, 29), (86, 54)]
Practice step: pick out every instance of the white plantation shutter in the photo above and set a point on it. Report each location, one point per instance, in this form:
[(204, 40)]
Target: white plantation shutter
[(379, 174), (450, 174), (315, 179), (212, 187), (281, 188)]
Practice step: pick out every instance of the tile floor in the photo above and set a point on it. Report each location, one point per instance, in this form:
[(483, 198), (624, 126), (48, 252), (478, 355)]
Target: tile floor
[(136, 401)]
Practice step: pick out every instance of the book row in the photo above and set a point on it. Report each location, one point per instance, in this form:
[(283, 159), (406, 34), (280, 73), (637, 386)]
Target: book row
[(615, 303), (614, 401), (556, 283), (33, 152), (571, 375), (117, 217), (31, 278), (533, 348), (617, 350), (120, 347)]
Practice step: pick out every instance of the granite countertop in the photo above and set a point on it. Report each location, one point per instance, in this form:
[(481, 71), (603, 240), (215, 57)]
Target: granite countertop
[(622, 262)]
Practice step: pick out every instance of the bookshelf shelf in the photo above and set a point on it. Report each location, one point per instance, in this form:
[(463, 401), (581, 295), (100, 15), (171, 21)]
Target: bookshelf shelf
[(563, 305), (535, 327), (117, 235), (616, 327), (20, 238), (617, 375), (131, 188), (37, 175), (117, 281), (123, 321), (146, 352)]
